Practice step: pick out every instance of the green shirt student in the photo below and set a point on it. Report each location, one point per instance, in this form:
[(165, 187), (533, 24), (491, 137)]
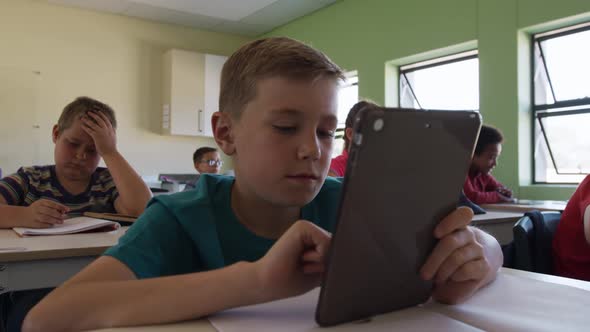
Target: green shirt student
[(201, 225), (277, 119)]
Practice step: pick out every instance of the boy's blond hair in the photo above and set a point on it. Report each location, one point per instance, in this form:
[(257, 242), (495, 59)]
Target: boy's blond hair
[(80, 107), (269, 57)]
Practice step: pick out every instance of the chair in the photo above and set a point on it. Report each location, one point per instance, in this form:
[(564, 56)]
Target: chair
[(533, 237)]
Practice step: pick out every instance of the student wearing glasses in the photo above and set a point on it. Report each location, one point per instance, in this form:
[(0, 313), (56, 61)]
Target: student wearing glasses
[(206, 161)]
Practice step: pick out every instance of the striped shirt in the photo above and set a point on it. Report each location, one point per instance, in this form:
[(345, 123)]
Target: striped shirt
[(33, 183)]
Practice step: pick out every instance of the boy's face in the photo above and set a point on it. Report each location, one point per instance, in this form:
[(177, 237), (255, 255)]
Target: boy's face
[(283, 140), (203, 166), (75, 154), (487, 160)]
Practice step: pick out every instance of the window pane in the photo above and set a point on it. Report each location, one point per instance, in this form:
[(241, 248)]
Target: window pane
[(450, 86), (348, 95), (543, 94), (569, 142), (406, 97), (568, 64)]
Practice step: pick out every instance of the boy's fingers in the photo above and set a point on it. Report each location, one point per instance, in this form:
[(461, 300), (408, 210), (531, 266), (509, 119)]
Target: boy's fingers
[(313, 236), (48, 219), (48, 211), (459, 218), (88, 127), (443, 249), (474, 270), (313, 268), (457, 260), (56, 206), (313, 256), (105, 119), (39, 224), (97, 117)]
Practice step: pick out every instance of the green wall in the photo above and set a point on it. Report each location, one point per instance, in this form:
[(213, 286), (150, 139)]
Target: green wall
[(365, 35)]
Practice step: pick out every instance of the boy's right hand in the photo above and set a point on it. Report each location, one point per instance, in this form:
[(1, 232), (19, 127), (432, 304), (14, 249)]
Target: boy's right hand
[(295, 263), (506, 199), (44, 213), (505, 192)]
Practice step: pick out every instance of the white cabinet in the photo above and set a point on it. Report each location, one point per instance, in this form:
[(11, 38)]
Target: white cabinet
[(191, 92)]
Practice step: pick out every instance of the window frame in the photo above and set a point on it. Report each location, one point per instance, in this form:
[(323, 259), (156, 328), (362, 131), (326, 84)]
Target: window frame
[(425, 64), (540, 111)]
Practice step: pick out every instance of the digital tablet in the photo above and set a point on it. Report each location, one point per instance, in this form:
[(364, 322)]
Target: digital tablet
[(405, 172)]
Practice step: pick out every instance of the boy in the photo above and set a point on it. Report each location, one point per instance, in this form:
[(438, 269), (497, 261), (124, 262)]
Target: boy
[(239, 241), (480, 186), (338, 164), (41, 196), (571, 243), (206, 161)]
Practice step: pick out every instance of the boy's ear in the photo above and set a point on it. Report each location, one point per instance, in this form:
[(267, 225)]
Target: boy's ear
[(222, 132), (348, 132), (55, 133)]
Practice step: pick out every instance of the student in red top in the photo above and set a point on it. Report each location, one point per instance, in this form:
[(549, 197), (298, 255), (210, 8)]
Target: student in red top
[(571, 243), (480, 186), (338, 164)]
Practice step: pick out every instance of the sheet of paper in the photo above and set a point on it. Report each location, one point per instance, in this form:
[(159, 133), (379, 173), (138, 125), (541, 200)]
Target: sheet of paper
[(70, 226), (513, 303)]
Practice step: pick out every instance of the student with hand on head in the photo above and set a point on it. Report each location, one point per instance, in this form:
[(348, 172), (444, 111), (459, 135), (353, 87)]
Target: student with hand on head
[(571, 242), (41, 196), (338, 164), (262, 235), (206, 161), (480, 186)]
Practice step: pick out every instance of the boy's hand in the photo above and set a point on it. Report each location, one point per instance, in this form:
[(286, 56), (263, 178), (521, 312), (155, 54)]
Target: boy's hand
[(98, 126), (457, 264), (505, 192), (44, 213), (506, 199), (295, 263)]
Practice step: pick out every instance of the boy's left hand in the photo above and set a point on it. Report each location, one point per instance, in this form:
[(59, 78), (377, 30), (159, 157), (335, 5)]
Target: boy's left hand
[(98, 126), (505, 191), (457, 265)]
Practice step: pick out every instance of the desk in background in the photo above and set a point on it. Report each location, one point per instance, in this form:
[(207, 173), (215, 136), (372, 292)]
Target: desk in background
[(527, 205), (498, 223), (517, 300), (47, 261)]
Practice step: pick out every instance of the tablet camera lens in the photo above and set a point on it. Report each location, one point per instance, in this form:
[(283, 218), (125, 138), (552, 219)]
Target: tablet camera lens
[(378, 125)]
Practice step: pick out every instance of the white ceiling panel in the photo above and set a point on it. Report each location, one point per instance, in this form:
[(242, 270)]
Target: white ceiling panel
[(171, 16), (244, 17), (284, 11), (232, 10)]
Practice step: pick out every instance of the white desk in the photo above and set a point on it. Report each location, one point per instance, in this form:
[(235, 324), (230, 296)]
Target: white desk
[(498, 223), (47, 261), (517, 300), (527, 205)]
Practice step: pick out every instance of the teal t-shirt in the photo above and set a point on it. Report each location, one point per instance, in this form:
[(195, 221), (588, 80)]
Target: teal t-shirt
[(197, 230)]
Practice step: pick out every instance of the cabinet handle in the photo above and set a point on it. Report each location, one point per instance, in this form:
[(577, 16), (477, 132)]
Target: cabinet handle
[(200, 122)]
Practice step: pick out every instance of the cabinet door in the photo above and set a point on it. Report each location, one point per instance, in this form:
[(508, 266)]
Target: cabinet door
[(187, 93), (213, 66)]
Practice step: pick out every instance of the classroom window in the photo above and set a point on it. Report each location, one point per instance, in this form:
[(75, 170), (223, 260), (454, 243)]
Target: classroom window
[(348, 95), (447, 83), (561, 108)]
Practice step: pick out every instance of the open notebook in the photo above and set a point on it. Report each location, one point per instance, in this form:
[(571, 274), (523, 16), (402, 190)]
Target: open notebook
[(71, 226)]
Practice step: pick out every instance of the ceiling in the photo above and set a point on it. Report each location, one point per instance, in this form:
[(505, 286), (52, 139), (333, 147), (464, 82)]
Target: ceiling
[(244, 17)]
